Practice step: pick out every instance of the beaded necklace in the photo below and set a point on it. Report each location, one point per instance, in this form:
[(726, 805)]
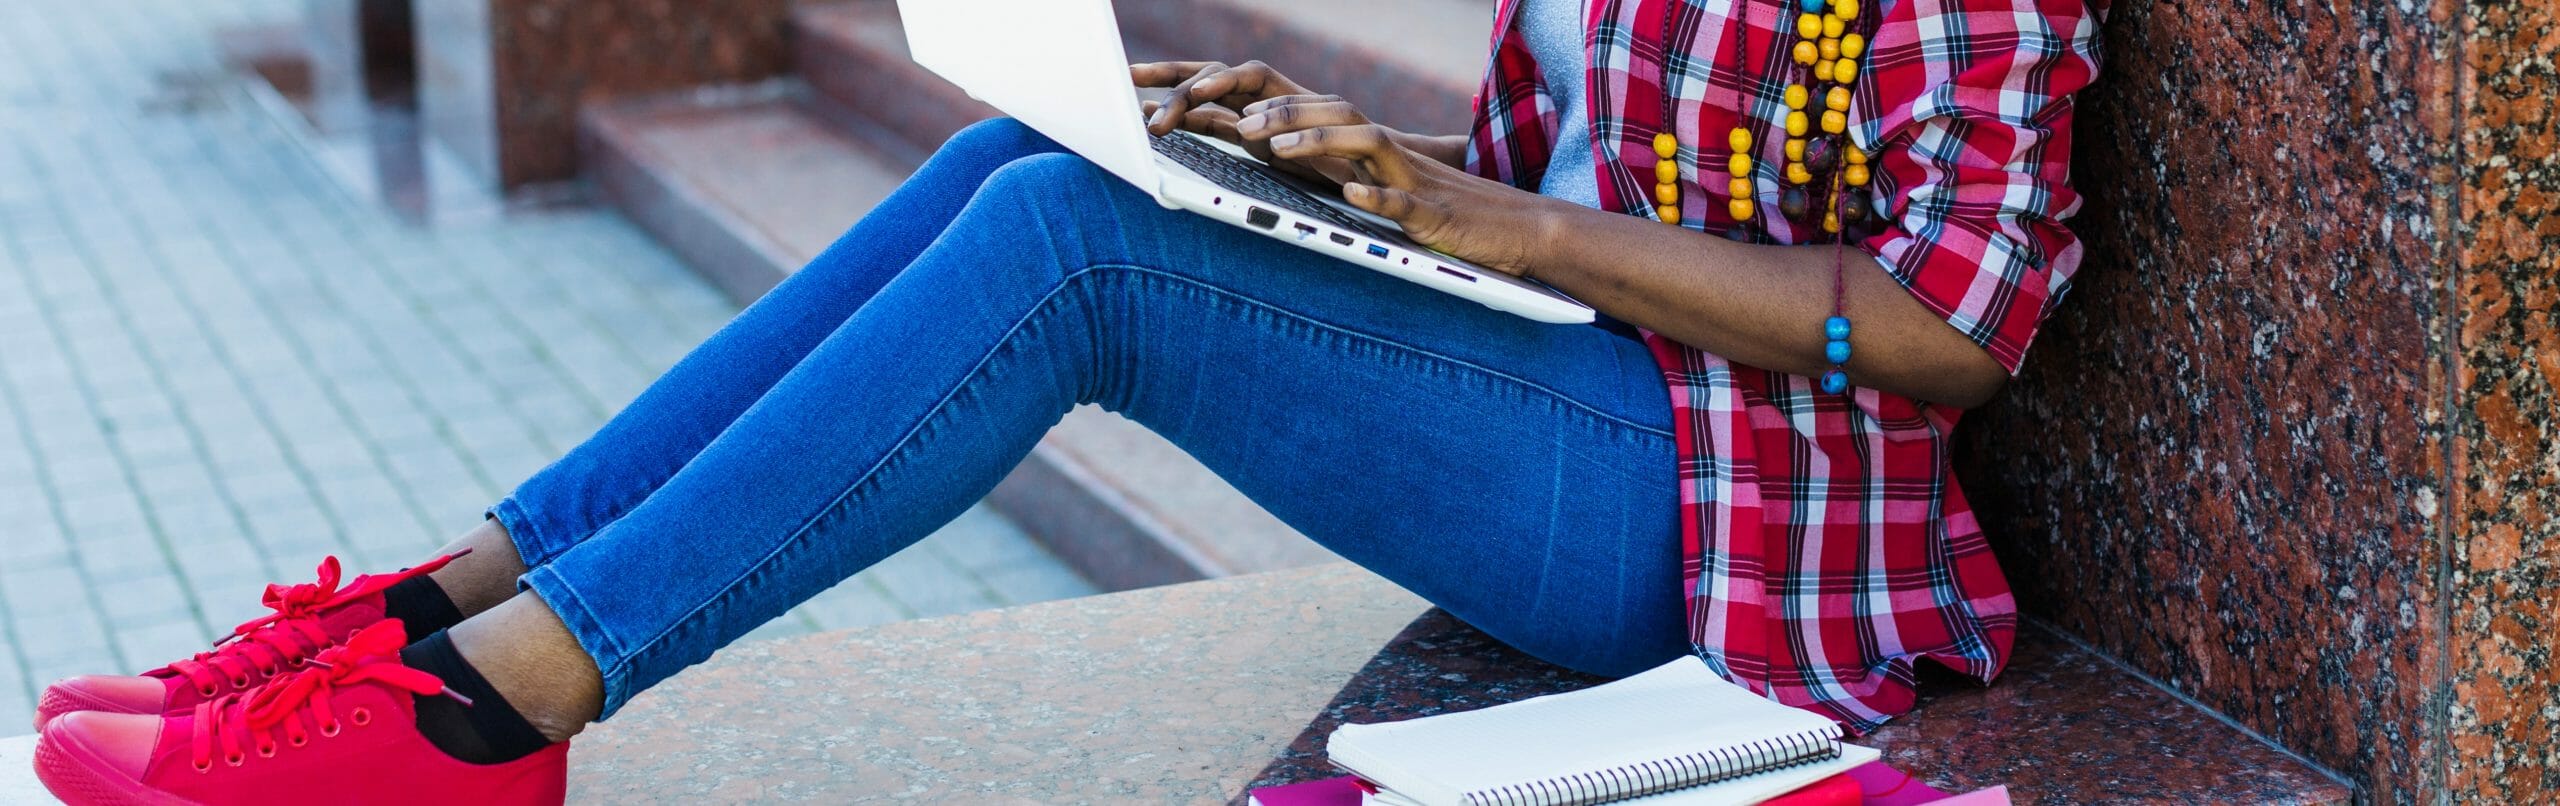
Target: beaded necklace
[(1831, 36)]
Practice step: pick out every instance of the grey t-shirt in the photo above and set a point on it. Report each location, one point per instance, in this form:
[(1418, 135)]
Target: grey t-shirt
[(1554, 30)]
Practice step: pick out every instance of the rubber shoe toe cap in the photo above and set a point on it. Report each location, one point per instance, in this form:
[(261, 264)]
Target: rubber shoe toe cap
[(117, 694)]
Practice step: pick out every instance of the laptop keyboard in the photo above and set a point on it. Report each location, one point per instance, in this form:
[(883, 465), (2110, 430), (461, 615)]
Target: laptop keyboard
[(1247, 178)]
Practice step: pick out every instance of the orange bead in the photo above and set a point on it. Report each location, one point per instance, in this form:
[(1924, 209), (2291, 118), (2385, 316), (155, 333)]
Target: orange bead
[(1741, 209), (1844, 9), (1831, 222), (1806, 53), (1835, 121), (1738, 188), (1856, 175), (1822, 70), (1845, 70), (1739, 165), (1665, 145), (1797, 123), (1666, 194), (1853, 45), (1739, 139), (1796, 96), (1666, 172), (1838, 98), (1855, 156), (1830, 48), (1795, 149), (1809, 25), (1797, 174), (1833, 26), (1670, 214)]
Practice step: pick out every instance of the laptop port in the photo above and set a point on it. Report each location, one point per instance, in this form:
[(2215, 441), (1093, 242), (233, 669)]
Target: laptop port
[(1340, 238), (1456, 273), (1305, 232), (1261, 218), (1377, 251)]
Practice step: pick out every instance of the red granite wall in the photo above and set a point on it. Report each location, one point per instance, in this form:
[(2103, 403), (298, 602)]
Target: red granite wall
[(502, 80), (2504, 573), (2224, 462)]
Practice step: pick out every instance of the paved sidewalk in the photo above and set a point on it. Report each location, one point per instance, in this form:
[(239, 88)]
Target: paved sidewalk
[(207, 352)]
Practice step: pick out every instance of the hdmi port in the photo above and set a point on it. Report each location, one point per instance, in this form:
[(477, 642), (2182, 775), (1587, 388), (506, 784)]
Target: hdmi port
[(1340, 238)]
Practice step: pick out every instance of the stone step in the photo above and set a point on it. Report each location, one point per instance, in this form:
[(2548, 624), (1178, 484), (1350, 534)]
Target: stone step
[(748, 183), (1174, 694), (2061, 725)]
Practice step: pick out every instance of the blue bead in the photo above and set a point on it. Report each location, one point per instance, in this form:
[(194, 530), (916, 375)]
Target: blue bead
[(1837, 351), (1836, 328), (1835, 382), (1813, 6)]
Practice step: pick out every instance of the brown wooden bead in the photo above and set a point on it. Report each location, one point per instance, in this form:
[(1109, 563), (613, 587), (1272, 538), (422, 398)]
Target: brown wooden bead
[(1821, 155), (1794, 202), (1855, 207)]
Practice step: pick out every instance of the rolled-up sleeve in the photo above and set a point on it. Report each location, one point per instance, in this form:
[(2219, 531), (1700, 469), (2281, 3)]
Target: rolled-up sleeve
[(1975, 173)]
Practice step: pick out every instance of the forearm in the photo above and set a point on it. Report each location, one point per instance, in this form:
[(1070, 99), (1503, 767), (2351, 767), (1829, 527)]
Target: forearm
[(1758, 305)]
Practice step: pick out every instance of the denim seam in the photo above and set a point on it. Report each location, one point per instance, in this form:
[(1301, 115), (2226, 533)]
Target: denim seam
[(523, 530), (1074, 282), (583, 624)]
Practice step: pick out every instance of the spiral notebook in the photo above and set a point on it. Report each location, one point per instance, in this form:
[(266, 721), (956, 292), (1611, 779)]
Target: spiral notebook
[(1675, 734)]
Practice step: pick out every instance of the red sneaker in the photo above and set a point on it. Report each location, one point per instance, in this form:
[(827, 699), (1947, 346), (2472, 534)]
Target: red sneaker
[(308, 618), (342, 731)]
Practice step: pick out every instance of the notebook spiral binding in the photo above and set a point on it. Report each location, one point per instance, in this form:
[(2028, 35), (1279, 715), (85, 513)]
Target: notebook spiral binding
[(1664, 775)]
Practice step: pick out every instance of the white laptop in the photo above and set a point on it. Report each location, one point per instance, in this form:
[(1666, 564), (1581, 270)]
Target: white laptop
[(1058, 66)]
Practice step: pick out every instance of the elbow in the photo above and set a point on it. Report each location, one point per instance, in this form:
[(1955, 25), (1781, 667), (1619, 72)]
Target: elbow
[(1974, 380)]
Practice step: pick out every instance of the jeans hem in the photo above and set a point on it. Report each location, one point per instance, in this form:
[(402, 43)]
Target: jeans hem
[(562, 597), (531, 546)]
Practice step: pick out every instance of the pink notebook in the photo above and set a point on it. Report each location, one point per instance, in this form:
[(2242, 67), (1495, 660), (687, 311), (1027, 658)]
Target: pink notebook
[(1881, 785)]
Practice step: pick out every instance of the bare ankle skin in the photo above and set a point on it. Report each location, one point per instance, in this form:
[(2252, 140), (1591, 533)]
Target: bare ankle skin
[(525, 653), (487, 576)]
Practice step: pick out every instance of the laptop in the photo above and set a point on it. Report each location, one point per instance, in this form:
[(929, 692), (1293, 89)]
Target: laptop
[(1059, 67)]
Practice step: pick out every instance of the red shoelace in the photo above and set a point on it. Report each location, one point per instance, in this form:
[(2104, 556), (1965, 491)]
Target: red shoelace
[(281, 641), (245, 723)]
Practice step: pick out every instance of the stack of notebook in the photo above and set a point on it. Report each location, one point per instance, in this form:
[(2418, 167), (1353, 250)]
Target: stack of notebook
[(1678, 734)]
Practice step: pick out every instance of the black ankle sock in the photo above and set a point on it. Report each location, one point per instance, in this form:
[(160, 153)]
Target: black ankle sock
[(421, 606), (489, 731)]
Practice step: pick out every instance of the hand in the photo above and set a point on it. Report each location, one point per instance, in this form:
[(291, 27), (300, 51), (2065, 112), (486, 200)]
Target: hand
[(1205, 94), (1486, 222)]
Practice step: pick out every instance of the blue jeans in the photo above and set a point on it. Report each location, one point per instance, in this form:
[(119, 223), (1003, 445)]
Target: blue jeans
[(1520, 475)]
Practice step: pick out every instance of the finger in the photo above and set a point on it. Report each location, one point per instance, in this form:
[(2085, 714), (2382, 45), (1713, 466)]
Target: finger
[(1367, 147), (1163, 74), (1273, 120), (1258, 107), (1242, 84), (1178, 102), (1215, 121)]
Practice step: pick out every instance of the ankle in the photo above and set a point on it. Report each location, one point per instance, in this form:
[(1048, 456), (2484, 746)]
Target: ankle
[(527, 654), (485, 578)]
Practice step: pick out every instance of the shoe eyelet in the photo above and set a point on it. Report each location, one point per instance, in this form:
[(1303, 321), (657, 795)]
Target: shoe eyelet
[(206, 690), (204, 766), (240, 682), (266, 751), (235, 759), (361, 717), (297, 741), (329, 731)]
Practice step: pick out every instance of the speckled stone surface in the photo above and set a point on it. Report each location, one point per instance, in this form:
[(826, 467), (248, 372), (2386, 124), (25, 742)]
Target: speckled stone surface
[(2225, 462), (500, 81), (2063, 726), (2504, 574), (1164, 695)]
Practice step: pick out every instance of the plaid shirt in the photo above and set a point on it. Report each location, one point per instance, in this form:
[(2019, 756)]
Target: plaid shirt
[(1827, 544)]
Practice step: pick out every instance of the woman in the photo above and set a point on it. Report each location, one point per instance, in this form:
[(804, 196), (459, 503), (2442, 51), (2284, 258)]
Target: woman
[(1738, 461)]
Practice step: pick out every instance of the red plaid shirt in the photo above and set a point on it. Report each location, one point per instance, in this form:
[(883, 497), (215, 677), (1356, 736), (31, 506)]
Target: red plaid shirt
[(1827, 544)]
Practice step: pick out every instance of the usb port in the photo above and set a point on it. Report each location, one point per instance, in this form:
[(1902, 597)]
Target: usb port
[(1340, 238), (1377, 251), (1305, 232), (1261, 218)]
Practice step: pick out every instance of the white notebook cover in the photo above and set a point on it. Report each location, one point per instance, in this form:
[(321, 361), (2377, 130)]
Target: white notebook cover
[(1677, 709)]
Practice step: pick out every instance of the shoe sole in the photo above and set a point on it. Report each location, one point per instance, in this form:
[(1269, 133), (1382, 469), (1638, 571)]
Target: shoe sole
[(76, 778)]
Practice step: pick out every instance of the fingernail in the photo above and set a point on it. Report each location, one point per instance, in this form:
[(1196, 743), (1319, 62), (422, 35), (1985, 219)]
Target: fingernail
[(1251, 123), (1289, 139)]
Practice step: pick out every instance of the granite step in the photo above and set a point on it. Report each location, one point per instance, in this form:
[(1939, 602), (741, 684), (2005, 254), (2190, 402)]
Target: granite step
[(748, 183)]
